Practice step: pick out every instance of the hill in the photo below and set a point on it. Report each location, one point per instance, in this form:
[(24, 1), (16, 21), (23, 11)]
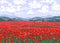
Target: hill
[(47, 19)]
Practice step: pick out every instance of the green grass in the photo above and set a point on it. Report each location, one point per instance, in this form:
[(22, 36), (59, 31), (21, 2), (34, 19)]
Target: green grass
[(31, 41)]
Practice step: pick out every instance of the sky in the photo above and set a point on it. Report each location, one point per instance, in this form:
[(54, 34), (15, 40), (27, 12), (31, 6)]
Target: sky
[(29, 8)]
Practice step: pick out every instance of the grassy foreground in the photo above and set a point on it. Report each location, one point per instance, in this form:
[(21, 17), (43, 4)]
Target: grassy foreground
[(29, 41)]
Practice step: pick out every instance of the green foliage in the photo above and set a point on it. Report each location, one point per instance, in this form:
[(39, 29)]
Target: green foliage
[(31, 41)]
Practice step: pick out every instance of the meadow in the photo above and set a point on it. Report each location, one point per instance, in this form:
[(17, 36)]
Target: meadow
[(29, 32)]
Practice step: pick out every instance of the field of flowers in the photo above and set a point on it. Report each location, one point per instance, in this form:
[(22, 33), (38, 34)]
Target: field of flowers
[(29, 32)]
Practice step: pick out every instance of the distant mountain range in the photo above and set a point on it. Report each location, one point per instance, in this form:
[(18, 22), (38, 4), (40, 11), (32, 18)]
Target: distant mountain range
[(47, 19)]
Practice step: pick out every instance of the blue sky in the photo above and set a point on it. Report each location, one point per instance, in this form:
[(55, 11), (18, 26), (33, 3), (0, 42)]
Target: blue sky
[(29, 8)]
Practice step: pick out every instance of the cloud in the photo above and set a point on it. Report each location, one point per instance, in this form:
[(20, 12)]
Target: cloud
[(44, 9), (3, 1), (30, 12), (32, 8), (47, 1), (10, 9), (19, 2), (56, 7), (34, 4), (2, 9)]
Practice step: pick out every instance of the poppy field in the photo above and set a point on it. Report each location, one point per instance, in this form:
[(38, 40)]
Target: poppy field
[(29, 32)]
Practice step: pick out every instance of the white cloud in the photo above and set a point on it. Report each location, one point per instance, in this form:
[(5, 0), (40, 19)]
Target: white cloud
[(30, 12), (19, 8), (3, 1), (17, 2), (44, 9), (55, 7), (47, 1), (10, 9), (34, 4), (2, 9), (23, 8)]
